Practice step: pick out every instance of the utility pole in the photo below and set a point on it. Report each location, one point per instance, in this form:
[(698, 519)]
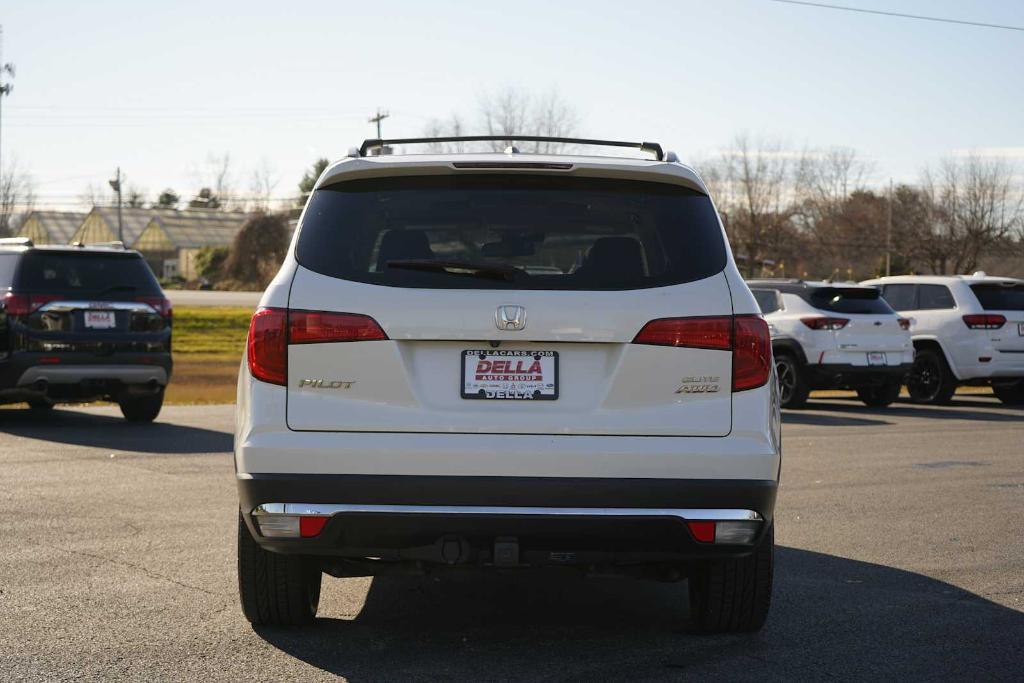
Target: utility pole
[(377, 119), (888, 234), (5, 90), (116, 185)]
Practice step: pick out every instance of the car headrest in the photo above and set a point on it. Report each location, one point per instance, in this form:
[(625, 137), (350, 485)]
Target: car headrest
[(403, 244), (614, 259)]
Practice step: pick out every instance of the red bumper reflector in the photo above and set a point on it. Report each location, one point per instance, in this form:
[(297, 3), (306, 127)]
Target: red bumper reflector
[(704, 532), (311, 526)]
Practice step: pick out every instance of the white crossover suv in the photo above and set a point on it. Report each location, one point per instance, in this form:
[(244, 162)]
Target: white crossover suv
[(967, 329), (834, 336), (507, 360)]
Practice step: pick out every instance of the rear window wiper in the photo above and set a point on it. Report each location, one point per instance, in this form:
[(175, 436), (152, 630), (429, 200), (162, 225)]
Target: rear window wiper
[(482, 270)]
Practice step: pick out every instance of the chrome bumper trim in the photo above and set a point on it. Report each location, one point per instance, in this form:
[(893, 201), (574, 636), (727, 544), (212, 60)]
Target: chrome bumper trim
[(682, 514), (72, 374)]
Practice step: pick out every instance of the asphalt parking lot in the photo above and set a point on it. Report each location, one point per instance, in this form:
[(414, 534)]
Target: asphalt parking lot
[(900, 555)]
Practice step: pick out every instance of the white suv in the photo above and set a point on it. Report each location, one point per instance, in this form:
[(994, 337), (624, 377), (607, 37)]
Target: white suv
[(968, 329), (834, 336), (508, 360)]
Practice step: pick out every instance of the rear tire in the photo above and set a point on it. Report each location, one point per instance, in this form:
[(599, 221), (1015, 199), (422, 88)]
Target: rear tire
[(1010, 394), (879, 396), (40, 407), (931, 380), (141, 408), (275, 589), (733, 595), (793, 388)]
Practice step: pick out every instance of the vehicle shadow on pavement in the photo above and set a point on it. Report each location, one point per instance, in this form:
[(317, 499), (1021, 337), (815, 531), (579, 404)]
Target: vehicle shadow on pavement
[(983, 411), (105, 431), (831, 617), (807, 416)]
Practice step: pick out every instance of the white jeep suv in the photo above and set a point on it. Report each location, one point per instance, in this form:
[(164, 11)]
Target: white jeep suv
[(967, 329), (508, 360), (834, 336)]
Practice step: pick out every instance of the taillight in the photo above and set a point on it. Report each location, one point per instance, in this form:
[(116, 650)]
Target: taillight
[(267, 345), (314, 327), (160, 304), (693, 333), (24, 304), (746, 336), (820, 322), (751, 353), (984, 321), (904, 323), (273, 329)]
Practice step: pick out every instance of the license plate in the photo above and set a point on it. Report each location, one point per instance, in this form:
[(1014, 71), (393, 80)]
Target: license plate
[(511, 375), (99, 320), (876, 358)]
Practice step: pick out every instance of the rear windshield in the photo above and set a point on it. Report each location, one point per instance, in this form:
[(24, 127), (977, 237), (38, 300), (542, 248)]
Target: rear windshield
[(999, 297), (849, 300), (511, 232), (767, 300), (86, 273)]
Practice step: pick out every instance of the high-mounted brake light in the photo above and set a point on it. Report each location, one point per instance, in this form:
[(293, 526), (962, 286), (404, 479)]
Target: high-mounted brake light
[(820, 322), (984, 321), (24, 304), (273, 329), (747, 336)]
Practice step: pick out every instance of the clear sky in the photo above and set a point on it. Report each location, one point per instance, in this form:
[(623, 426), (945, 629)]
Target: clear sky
[(157, 88)]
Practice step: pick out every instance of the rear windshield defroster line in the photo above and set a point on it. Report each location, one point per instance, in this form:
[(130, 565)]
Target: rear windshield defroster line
[(548, 232)]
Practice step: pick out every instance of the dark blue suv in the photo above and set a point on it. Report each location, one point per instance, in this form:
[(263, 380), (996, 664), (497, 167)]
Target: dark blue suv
[(82, 323)]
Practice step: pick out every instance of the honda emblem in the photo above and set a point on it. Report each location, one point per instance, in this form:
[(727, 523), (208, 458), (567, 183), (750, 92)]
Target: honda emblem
[(510, 318)]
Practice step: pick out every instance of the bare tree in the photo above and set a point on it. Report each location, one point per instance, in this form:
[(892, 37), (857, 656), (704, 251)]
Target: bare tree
[(511, 112), (97, 195), (215, 180), (835, 210), (135, 197), (17, 195), (753, 195), (451, 127), (825, 178), (975, 207), (262, 186)]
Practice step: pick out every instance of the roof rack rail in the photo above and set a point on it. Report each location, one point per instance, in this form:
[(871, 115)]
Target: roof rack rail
[(17, 241), (652, 147), (113, 244)]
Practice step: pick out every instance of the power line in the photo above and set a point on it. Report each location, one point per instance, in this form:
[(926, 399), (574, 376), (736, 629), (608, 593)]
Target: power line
[(921, 17)]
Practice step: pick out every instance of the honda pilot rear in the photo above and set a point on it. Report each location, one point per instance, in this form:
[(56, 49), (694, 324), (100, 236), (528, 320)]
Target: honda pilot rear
[(508, 361)]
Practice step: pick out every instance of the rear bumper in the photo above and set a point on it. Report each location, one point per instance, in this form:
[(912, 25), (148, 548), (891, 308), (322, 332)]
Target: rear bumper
[(842, 375), (81, 376), (1002, 365), (73, 374), (568, 519)]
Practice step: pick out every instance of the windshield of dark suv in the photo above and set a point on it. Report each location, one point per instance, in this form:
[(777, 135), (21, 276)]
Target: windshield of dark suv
[(999, 297), (511, 232), (849, 300), (86, 273)]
